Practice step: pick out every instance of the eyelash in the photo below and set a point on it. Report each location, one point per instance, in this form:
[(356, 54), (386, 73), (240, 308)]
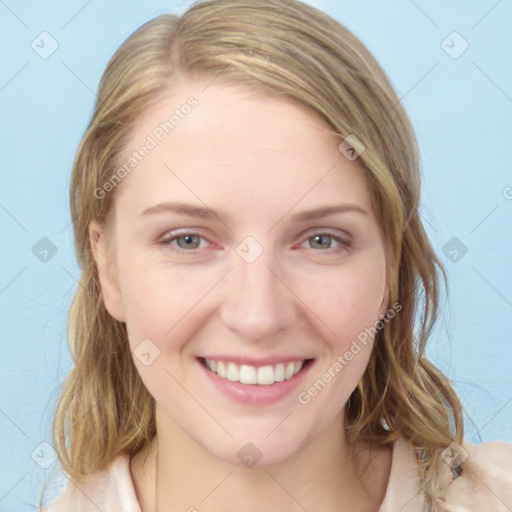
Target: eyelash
[(343, 244), (167, 240)]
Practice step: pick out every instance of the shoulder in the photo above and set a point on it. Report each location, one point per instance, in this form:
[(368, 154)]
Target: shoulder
[(485, 482), (110, 490)]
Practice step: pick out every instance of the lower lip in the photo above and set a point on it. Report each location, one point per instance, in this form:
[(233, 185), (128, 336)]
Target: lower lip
[(256, 394)]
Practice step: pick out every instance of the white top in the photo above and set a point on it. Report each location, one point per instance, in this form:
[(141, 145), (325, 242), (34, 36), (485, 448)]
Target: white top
[(490, 489)]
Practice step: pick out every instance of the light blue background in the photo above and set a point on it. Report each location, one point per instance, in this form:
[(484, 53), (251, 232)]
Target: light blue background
[(461, 109)]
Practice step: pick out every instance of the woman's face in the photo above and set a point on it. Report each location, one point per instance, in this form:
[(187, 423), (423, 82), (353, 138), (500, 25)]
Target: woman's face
[(245, 241)]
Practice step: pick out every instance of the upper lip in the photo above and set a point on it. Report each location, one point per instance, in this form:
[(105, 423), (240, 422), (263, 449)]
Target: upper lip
[(268, 361)]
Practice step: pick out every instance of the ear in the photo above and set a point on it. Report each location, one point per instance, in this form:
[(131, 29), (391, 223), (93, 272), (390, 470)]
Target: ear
[(107, 271)]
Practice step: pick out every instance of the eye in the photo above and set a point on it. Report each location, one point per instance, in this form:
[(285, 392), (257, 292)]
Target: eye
[(188, 241), (325, 241), (185, 241)]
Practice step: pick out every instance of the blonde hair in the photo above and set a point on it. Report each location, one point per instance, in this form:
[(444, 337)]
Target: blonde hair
[(292, 50)]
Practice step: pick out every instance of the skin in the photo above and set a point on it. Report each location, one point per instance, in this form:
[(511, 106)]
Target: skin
[(259, 162)]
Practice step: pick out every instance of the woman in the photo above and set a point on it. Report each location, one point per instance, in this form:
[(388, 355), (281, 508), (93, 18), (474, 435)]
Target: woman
[(245, 206)]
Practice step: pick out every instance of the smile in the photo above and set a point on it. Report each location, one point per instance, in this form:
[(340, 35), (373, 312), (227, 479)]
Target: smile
[(247, 374)]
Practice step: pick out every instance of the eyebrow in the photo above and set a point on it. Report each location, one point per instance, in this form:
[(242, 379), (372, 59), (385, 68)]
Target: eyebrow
[(209, 213), (182, 209), (325, 211)]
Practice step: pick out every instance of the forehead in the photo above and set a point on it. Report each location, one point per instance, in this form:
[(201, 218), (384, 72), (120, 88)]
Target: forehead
[(216, 141), (219, 108)]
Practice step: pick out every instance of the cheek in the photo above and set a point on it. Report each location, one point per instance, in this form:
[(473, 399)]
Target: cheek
[(145, 301), (347, 299), (156, 296), (159, 301), (166, 304), (348, 309), (346, 303)]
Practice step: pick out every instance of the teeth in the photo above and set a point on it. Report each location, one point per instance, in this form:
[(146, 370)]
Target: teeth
[(279, 374), (266, 375), (221, 370), (297, 367), (232, 372), (246, 374), (288, 373)]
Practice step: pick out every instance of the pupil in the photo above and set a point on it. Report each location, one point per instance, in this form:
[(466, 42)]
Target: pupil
[(322, 241), (188, 241)]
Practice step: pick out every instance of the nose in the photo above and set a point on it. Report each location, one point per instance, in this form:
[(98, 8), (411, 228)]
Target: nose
[(257, 304)]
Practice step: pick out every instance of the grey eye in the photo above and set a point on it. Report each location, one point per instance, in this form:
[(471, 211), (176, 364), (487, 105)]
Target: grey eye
[(188, 241), (321, 241)]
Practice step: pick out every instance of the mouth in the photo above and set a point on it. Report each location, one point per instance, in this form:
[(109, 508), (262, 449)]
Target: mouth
[(256, 375)]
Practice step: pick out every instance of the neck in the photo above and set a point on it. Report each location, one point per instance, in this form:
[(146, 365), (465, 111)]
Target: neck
[(322, 475)]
